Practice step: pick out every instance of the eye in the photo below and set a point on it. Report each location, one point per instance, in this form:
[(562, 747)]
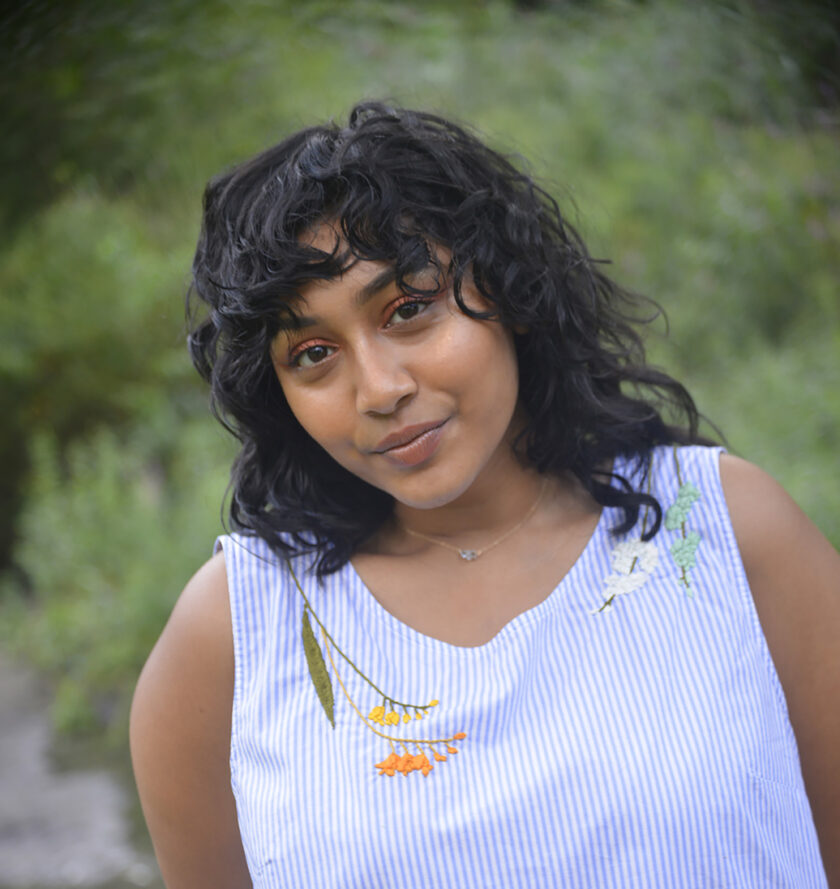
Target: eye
[(311, 355), (409, 309)]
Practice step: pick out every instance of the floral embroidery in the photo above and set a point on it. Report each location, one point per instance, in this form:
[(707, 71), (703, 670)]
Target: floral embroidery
[(388, 714), (684, 548), (633, 561), (678, 511), (683, 551), (634, 553)]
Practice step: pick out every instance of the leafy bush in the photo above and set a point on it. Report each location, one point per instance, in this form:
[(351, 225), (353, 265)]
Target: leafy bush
[(109, 535), (91, 321)]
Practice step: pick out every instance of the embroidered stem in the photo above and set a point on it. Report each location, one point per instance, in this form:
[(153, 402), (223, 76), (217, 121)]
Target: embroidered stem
[(644, 524), (608, 602), (391, 738), (683, 575), (683, 550), (386, 698)]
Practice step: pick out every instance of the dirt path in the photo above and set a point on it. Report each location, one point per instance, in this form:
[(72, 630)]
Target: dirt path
[(57, 829)]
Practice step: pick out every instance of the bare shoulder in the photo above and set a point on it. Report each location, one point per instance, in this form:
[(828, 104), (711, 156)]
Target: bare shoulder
[(794, 575), (785, 555), (794, 572), (180, 739)]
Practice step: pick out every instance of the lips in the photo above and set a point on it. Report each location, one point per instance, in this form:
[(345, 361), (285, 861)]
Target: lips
[(402, 437), (412, 445)]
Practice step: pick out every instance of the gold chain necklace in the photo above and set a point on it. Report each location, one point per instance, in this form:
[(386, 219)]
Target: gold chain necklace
[(470, 555)]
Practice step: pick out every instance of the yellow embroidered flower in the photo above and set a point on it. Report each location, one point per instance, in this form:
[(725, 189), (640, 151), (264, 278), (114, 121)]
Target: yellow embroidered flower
[(406, 717), (377, 715), (392, 718)]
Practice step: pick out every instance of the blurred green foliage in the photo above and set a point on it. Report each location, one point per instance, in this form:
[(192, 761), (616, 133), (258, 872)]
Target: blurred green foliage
[(108, 534), (695, 144)]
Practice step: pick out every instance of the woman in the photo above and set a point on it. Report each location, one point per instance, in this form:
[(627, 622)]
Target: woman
[(486, 619)]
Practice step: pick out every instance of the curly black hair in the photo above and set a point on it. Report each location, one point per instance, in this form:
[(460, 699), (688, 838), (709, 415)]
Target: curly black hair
[(395, 181)]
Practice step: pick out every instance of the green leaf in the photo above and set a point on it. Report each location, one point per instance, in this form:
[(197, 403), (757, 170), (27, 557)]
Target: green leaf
[(318, 669)]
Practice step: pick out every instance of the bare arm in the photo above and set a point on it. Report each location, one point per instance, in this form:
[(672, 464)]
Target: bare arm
[(180, 741), (794, 573)]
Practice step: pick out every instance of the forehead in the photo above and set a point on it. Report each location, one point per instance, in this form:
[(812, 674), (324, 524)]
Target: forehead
[(360, 281)]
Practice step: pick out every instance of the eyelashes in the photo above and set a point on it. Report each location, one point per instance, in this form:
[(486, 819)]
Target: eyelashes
[(309, 354), (400, 313), (411, 305)]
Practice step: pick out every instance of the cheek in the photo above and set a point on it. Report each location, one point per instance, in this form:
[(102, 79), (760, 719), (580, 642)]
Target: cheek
[(318, 414), (488, 370)]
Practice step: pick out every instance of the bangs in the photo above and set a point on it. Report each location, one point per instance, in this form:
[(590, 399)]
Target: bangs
[(336, 244)]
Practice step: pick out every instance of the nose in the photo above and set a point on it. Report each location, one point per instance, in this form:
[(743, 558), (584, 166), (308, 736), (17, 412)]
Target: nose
[(382, 380)]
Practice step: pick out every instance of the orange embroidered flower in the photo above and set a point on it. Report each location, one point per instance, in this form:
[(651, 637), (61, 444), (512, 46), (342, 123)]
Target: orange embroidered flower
[(418, 762), (388, 765)]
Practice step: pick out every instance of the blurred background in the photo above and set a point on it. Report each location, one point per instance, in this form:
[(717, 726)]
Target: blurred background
[(694, 144)]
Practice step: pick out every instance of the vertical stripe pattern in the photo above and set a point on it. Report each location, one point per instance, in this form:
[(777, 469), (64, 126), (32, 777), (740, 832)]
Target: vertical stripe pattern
[(644, 745)]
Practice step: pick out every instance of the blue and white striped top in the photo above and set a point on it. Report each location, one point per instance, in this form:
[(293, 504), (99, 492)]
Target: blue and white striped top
[(628, 731)]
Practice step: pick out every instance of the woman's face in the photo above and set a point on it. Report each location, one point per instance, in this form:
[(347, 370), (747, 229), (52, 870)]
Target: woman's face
[(408, 393)]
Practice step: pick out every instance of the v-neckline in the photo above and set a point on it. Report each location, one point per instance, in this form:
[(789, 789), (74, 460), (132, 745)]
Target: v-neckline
[(377, 612)]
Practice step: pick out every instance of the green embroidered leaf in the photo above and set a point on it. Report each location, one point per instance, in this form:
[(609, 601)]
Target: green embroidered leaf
[(317, 668), (676, 515), (683, 549)]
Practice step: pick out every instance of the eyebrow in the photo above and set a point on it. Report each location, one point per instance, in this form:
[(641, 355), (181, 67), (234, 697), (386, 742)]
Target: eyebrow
[(384, 279)]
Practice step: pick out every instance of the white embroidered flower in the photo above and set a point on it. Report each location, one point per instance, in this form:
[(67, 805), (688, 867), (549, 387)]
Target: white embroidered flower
[(634, 555), (621, 584), (632, 562)]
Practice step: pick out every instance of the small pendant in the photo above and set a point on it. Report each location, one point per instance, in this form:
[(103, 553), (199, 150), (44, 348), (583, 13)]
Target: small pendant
[(468, 555)]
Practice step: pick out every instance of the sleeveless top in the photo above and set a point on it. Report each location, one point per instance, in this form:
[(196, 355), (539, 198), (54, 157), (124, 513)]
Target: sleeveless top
[(629, 730)]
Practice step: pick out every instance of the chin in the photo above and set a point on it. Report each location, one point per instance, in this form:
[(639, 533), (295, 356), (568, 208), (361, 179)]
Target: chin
[(422, 494), (424, 502)]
